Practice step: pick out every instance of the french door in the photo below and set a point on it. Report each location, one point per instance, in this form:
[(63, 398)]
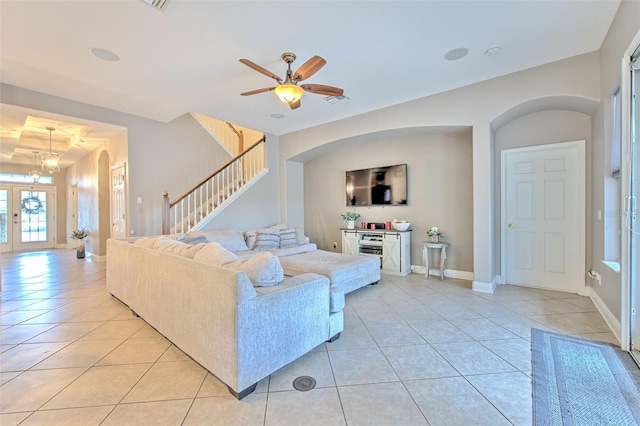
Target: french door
[(27, 218)]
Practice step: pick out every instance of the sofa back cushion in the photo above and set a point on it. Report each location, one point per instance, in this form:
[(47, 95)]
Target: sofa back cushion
[(231, 239), (214, 254), (148, 242), (263, 269)]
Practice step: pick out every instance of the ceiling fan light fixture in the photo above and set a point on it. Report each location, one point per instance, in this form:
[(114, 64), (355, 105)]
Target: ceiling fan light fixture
[(289, 93)]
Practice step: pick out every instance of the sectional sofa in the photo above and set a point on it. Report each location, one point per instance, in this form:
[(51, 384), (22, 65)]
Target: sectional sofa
[(238, 313)]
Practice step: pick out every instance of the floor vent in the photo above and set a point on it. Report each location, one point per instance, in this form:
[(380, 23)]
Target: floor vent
[(304, 383)]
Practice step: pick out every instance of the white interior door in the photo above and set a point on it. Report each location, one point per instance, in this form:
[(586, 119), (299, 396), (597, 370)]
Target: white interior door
[(33, 219), (118, 202), (543, 216)]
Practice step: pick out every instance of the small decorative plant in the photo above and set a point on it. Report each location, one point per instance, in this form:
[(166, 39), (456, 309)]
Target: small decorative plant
[(434, 231), (350, 216), (80, 234)]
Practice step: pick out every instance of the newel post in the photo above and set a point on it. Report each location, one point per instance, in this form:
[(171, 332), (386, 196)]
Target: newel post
[(166, 213)]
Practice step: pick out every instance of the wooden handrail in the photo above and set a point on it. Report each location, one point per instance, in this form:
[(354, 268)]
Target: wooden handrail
[(203, 181)]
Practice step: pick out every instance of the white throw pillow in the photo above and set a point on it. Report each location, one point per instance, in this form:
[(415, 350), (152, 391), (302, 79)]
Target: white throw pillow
[(263, 269), (214, 254), (250, 236), (302, 239)]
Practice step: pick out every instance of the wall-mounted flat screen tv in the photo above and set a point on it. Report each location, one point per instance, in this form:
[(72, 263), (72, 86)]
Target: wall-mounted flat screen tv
[(377, 186)]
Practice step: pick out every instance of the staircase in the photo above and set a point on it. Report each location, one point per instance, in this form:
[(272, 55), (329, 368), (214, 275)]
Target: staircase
[(193, 209), (230, 136)]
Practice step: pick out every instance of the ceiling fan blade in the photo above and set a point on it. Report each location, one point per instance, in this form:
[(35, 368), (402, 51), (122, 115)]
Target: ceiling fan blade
[(321, 89), (309, 68), (253, 92), (295, 105), (261, 70)]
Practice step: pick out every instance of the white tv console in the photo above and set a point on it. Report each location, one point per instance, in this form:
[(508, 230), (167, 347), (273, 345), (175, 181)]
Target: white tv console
[(392, 247)]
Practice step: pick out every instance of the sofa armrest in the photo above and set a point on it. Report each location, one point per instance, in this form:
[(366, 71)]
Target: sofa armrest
[(281, 324)]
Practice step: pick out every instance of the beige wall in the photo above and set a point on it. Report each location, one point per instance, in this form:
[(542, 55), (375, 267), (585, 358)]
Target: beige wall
[(439, 168), (571, 84), (623, 29)]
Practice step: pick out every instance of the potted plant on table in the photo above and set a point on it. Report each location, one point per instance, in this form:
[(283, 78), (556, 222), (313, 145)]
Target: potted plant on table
[(434, 234), (80, 235), (351, 218)]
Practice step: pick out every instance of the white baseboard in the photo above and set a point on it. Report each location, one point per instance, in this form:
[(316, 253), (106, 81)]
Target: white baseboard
[(483, 287), (97, 258), (609, 318), (448, 273)]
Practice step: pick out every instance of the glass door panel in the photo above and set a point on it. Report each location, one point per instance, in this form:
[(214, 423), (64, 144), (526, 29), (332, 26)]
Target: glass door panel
[(33, 216), (33, 220)]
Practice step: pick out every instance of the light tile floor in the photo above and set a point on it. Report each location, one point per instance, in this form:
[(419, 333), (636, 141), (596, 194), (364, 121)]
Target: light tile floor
[(413, 351)]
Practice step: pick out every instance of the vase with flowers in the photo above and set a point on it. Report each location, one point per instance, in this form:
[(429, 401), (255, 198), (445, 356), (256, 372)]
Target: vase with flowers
[(80, 235), (351, 218), (434, 234)]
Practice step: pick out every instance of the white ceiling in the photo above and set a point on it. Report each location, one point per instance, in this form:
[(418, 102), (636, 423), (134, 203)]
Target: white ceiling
[(185, 58)]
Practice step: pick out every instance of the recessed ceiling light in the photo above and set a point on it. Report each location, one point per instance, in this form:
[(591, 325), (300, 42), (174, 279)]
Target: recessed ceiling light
[(277, 116), (104, 54), (493, 50), (455, 54)]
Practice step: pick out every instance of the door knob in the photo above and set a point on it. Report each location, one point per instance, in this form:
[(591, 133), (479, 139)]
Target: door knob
[(512, 225)]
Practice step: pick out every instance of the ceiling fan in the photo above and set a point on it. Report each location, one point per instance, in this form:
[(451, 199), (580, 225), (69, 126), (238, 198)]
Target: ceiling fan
[(288, 90)]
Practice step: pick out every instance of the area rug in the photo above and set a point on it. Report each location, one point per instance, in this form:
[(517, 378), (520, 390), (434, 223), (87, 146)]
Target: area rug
[(580, 382)]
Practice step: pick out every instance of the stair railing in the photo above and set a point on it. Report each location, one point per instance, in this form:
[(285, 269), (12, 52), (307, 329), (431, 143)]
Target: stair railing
[(182, 214)]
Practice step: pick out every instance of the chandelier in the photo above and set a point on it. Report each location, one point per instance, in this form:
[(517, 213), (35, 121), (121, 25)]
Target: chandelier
[(50, 161), (35, 173)]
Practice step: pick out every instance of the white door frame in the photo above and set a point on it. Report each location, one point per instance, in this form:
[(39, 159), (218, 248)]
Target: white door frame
[(72, 211), (112, 201), (626, 310), (582, 289)]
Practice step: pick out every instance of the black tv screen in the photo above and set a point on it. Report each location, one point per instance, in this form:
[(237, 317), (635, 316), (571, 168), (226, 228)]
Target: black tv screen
[(377, 186)]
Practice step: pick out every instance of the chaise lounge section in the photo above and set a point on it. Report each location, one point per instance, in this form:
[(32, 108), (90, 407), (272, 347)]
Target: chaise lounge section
[(345, 271)]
